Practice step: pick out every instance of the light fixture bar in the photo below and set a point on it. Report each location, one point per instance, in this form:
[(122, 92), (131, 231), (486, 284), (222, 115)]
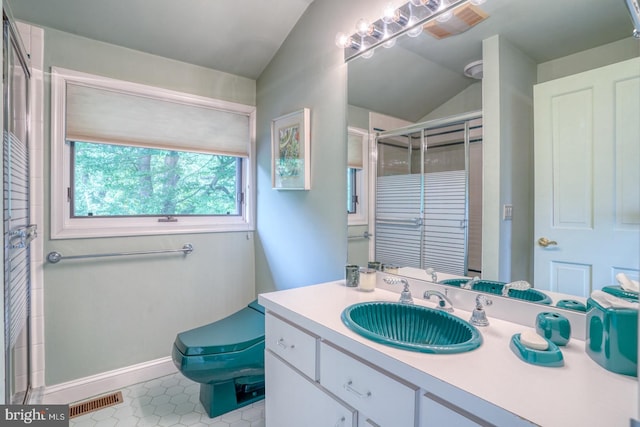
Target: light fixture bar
[(395, 28)]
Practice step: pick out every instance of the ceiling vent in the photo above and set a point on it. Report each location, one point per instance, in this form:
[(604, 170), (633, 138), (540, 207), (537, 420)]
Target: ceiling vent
[(464, 17), (474, 70)]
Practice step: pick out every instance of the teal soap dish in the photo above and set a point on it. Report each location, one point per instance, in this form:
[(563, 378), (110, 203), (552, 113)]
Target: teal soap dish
[(551, 357), (570, 304)]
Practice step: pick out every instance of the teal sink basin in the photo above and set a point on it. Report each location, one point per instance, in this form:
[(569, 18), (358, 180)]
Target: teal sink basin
[(493, 287), (411, 327)]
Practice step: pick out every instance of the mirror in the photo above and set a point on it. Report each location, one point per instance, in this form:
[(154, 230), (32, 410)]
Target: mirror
[(422, 79)]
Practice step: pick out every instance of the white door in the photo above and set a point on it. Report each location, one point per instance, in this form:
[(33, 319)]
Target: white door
[(587, 178)]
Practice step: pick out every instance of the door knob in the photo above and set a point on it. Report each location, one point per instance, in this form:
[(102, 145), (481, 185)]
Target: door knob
[(544, 242)]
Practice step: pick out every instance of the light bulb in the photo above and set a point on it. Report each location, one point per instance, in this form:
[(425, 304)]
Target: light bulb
[(432, 5), (342, 40), (365, 50), (417, 28), (362, 27), (446, 15), (368, 54), (388, 36), (389, 13)]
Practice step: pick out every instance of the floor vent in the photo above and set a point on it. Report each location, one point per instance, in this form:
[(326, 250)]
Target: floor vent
[(92, 405)]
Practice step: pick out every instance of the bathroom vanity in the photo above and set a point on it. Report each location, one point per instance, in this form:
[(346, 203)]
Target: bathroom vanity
[(320, 373)]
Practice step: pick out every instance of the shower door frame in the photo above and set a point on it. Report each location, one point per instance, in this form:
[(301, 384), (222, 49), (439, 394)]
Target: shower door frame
[(12, 45), (421, 128)]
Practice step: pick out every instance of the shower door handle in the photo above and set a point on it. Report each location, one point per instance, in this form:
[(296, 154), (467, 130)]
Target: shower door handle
[(20, 239)]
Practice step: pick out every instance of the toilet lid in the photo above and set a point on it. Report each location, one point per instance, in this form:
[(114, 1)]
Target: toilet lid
[(233, 333)]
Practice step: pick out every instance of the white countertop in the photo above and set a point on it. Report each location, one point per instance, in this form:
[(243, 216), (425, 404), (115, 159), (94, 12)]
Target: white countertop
[(581, 393)]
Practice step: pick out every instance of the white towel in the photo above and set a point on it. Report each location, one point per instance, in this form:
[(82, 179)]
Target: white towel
[(626, 283), (607, 300)]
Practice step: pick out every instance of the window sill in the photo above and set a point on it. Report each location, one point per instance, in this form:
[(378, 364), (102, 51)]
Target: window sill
[(94, 227)]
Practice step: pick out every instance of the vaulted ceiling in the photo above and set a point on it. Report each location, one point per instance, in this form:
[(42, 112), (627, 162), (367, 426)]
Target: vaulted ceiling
[(407, 81), (238, 37)]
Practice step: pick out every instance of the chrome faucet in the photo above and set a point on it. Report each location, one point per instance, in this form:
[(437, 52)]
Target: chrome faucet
[(444, 303), (405, 295), (479, 317), (432, 272), (470, 283), (519, 285)]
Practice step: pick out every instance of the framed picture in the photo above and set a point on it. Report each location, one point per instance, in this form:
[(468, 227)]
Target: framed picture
[(290, 151)]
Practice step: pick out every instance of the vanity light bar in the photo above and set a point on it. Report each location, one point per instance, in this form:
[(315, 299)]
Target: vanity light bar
[(406, 19)]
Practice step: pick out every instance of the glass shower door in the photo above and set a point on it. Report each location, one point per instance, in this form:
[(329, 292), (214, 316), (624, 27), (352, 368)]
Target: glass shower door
[(429, 196), (16, 218)]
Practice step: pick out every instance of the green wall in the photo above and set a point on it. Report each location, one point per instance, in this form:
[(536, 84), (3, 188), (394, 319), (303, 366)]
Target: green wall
[(302, 235), (109, 313), (507, 145)]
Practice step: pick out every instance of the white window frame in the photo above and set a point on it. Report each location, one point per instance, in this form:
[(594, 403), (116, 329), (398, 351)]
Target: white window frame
[(361, 216), (64, 226)]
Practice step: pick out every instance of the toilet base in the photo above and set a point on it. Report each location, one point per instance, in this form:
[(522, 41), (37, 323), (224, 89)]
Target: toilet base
[(223, 397)]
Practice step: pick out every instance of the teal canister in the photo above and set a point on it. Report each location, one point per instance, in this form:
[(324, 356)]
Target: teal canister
[(554, 327), (612, 338)]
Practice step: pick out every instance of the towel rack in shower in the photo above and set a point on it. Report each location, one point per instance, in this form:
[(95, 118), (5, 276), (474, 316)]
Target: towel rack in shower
[(365, 235), (54, 257)]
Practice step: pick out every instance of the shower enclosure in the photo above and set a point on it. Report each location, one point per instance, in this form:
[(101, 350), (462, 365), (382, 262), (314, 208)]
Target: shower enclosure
[(428, 210), (18, 232)]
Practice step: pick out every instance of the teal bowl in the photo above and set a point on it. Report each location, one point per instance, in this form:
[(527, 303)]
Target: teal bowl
[(412, 327), (494, 287)]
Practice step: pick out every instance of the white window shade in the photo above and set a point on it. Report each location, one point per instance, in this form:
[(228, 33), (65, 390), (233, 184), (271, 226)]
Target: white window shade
[(354, 150), (116, 117)]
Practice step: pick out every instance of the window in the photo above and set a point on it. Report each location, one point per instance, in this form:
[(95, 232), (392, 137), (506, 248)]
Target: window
[(357, 172), (116, 180), (130, 159), (352, 190)]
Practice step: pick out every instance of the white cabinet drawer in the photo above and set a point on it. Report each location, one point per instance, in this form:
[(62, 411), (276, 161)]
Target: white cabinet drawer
[(387, 401), (295, 401), (435, 412), (292, 344)]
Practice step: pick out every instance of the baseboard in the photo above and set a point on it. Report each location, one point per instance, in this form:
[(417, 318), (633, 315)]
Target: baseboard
[(95, 385)]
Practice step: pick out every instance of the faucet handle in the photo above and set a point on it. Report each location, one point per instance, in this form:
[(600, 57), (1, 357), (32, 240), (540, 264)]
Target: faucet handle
[(479, 316), (482, 299), (518, 285), (469, 284), (432, 272), (405, 295)]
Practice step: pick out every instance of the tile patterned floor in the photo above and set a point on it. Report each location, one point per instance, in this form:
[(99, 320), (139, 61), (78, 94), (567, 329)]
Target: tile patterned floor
[(170, 401)]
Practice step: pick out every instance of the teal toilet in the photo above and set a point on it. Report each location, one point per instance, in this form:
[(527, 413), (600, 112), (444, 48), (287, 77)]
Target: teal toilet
[(227, 359)]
